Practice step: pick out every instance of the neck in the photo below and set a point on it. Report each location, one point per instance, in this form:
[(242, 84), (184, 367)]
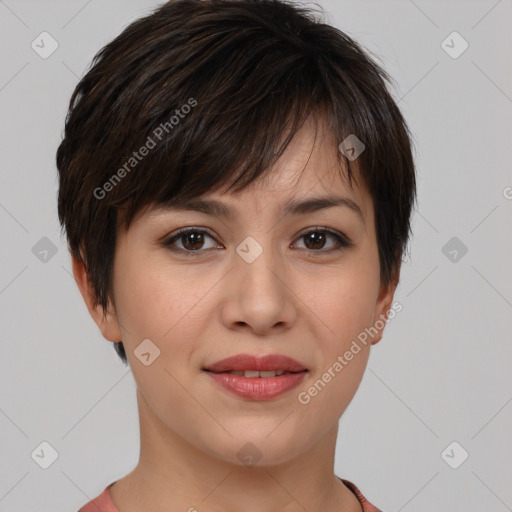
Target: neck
[(173, 474)]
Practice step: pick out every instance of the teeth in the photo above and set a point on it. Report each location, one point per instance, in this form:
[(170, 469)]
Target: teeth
[(254, 373)]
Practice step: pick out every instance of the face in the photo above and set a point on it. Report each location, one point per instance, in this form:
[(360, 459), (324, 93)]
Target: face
[(302, 284)]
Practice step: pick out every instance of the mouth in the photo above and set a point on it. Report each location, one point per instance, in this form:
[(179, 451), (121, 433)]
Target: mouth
[(257, 378), (257, 385), (252, 366), (252, 374)]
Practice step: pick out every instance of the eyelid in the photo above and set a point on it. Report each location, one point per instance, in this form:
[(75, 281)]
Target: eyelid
[(168, 240), (327, 230), (343, 241)]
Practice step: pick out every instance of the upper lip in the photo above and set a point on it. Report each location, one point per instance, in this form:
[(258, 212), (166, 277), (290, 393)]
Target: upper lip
[(241, 362)]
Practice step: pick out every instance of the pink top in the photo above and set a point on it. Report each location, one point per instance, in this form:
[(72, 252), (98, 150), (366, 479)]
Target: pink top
[(103, 503)]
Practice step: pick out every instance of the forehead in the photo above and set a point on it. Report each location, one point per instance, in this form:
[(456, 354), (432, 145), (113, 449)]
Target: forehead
[(308, 177)]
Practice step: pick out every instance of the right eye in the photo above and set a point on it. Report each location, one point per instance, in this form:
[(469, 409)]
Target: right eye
[(192, 239)]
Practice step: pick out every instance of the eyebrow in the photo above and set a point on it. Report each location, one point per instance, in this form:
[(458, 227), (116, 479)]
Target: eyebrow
[(291, 207)]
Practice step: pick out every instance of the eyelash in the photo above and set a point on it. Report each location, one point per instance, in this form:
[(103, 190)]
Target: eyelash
[(343, 242)]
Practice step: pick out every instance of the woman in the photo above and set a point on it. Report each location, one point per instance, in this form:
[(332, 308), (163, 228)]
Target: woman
[(236, 185)]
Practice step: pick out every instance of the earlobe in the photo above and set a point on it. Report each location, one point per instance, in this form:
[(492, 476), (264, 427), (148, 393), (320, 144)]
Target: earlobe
[(106, 321), (382, 308)]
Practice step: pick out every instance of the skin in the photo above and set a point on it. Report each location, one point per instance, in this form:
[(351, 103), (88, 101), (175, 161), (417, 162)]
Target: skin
[(294, 301)]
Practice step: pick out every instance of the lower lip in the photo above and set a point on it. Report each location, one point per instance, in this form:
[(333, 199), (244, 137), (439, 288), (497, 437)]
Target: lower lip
[(258, 388)]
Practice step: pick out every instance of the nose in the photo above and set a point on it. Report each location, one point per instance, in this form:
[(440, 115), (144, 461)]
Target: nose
[(259, 295)]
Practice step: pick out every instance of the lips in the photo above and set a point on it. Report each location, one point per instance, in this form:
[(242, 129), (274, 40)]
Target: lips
[(259, 389), (249, 363)]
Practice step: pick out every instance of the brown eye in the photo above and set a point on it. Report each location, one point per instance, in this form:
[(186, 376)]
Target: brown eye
[(192, 241), (315, 240)]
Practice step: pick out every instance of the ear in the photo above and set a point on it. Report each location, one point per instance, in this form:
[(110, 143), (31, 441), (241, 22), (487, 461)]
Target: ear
[(383, 306), (107, 322)]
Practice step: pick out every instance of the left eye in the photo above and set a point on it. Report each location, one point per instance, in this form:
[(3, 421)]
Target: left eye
[(193, 239), (317, 237)]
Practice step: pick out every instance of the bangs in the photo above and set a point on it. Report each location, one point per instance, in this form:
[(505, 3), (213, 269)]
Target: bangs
[(231, 133)]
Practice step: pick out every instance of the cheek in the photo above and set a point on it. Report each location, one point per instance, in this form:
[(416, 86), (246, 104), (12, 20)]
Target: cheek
[(341, 308), (344, 310), (143, 305), (166, 306), (150, 300), (159, 307), (343, 302)]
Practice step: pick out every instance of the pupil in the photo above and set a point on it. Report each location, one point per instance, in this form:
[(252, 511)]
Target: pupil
[(196, 240), (316, 238)]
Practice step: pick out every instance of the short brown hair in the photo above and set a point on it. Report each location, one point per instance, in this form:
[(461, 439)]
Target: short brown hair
[(250, 72)]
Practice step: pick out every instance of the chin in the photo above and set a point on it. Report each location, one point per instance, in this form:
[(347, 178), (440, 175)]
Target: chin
[(256, 449)]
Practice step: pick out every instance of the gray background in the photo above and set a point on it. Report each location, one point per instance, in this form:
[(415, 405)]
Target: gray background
[(441, 372)]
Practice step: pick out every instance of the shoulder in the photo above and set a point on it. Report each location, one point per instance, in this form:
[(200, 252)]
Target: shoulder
[(365, 504), (101, 502), (105, 504)]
